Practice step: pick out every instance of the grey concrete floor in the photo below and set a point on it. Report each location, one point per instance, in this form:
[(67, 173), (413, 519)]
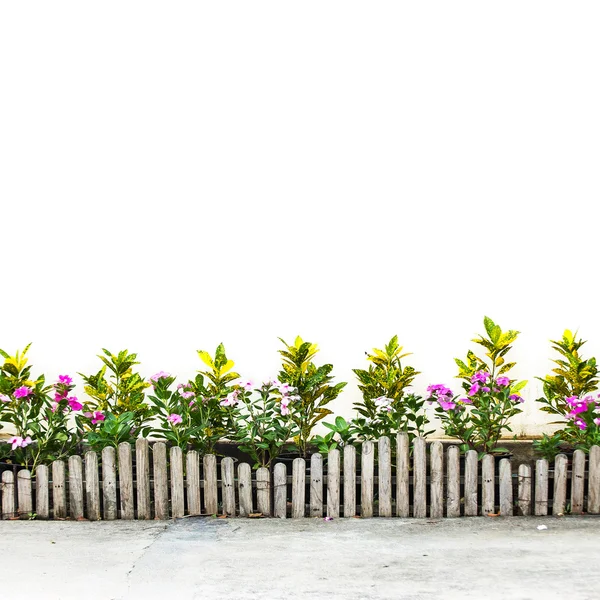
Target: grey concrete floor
[(244, 559)]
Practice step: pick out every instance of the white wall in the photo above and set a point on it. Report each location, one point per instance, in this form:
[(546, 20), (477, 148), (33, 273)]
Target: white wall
[(174, 175)]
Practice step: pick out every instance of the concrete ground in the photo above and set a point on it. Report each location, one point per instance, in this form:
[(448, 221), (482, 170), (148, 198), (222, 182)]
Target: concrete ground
[(243, 559)]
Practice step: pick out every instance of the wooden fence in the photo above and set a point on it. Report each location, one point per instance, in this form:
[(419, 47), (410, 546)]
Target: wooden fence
[(417, 484)]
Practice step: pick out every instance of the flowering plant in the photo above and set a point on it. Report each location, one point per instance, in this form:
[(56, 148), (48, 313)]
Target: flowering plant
[(313, 387), (42, 431), (185, 419), (266, 418), (480, 415), (386, 407), (583, 422), (111, 430)]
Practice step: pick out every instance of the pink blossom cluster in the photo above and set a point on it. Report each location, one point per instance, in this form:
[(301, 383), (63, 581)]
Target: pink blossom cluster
[(61, 393), (443, 395), (582, 405), (18, 442)]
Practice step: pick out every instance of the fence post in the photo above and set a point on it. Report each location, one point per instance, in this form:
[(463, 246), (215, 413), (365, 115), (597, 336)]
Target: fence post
[(109, 483), (316, 485), (280, 483), (142, 471), (75, 487), (471, 479), (245, 486), (59, 492), (298, 488), (42, 508), (210, 484), (577, 482), (506, 488), (25, 507), (8, 495), (594, 481), (419, 478), (437, 481), (560, 485), (453, 483), (263, 491), (333, 483), (488, 476), (161, 489), (177, 494), (541, 488), (385, 477), (228, 483), (402, 475), (524, 490), (349, 481), (92, 486), (192, 479)]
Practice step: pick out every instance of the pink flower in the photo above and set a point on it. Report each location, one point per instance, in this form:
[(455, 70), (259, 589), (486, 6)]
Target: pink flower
[(481, 376), (447, 405), (248, 385), (22, 392), (186, 395), (54, 407), (473, 390), (97, 417), (74, 403), (4, 398), (18, 442), (58, 396), (466, 400), (597, 421), (65, 379), (175, 419), (159, 375), (580, 423), (503, 381), (577, 406), (231, 399)]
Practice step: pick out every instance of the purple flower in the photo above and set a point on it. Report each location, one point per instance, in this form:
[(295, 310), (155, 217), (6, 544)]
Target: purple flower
[(503, 381), (65, 379), (473, 390), (97, 417), (175, 419), (159, 375), (485, 388), (447, 405), (466, 400), (74, 403), (22, 392), (577, 406), (516, 398), (481, 376)]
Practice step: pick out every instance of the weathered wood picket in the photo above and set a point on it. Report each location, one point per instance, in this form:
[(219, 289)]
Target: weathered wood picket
[(419, 482)]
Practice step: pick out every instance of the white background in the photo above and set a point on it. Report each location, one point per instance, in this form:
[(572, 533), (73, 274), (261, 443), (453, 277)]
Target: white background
[(176, 174)]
